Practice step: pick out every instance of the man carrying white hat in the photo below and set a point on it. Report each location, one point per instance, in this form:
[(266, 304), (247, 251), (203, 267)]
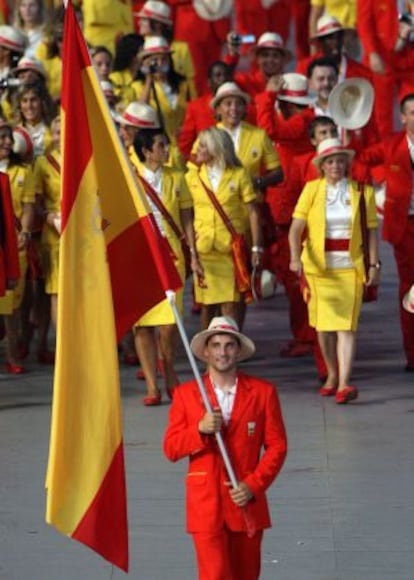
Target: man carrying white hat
[(270, 58), (227, 524)]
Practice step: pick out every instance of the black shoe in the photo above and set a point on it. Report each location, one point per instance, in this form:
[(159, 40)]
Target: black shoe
[(409, 368)]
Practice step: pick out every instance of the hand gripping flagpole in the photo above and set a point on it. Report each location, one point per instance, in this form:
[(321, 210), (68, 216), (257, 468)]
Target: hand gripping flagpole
[(230, 471)]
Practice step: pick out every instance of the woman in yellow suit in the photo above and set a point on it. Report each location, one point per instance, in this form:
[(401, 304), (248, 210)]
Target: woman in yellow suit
[(23, 199), (220, 171), (48, 178), (105, 21), (169, 186), (332, 261), (161, 87)]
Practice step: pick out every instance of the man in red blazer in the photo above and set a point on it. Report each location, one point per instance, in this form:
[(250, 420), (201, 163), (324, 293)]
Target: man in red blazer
[(396, 154), (227, 524)]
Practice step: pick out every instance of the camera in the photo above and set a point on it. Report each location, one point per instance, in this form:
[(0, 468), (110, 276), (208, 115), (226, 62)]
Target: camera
[(242, 38), (153, 68), (10, 83), (407, 18)]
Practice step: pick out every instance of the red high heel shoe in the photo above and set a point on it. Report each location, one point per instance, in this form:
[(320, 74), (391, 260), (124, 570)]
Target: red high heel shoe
[(345, 395), (152, 400), (130, 359), (13, 369), (327, 391)]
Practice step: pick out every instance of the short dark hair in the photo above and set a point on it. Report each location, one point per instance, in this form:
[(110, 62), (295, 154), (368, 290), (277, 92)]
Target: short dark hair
[(221, 64), (405, 100), (321, 61), (319, 121), (144, 139)]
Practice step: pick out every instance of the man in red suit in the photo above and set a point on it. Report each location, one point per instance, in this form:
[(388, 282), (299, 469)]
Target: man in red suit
[(389, 53), (227, 523), (329, 40), (396, 153), (289, 130)]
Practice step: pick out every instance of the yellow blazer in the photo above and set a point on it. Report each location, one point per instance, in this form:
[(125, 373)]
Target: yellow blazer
[(122, 81), (47, 183), (105, 20), (183, 64), (234, 191), (175, 197), (173, 117), (22, 185), (311, 208)]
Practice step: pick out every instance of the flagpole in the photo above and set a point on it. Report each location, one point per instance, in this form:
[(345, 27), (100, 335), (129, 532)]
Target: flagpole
[(230, 471)]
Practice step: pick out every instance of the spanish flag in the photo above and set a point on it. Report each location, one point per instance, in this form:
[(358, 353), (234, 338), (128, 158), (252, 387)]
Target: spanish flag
[(113, 268)]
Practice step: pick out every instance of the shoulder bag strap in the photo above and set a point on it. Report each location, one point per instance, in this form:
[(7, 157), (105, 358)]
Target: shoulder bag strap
[(53, 162), (219, 208), (155, 198)]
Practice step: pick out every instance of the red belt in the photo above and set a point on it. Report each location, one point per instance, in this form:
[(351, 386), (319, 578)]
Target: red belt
[(336, 245)]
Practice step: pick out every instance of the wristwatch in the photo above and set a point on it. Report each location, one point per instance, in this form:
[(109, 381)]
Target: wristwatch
[(377, 265)]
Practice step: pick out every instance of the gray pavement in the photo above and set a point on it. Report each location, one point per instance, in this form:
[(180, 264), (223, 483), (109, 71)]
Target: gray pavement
[(343, 506)]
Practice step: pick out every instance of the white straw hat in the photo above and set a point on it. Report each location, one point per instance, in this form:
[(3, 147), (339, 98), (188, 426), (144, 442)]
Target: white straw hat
[(229, 89), (26, 63), (351, 103), (139, 115), (329, 147), (408, 300), (12, 38), (222, 325), (325, 26), (155, 10), (212, 9), (272, 40), (22, 143), (295, 89), (154, 45)]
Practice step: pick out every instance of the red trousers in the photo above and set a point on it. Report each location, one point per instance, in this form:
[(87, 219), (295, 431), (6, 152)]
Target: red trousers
[(228, 555), (279, 259), (404, 256), (300, 10)]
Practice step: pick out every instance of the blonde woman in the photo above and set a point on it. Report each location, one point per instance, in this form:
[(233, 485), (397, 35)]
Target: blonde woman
[(219, 170)]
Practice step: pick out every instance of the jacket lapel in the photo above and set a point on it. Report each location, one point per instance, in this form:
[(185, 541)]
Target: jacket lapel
[(242, 402)]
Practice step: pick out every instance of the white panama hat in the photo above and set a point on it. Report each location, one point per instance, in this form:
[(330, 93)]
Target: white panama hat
[(408, 300), (22, 143), (222, 325), (139, 115), (12, 38), (154, 10), (325, 26), (229, 89), (263, 284), (212, 10), (33, 64), (295, 89), (154, 45), (272, 40), (329, 147), (351, 103)]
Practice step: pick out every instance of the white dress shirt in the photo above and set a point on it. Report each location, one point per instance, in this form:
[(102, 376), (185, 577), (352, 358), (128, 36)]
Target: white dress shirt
[(155, 180), (214, 173), (235, 136), (225, 399)]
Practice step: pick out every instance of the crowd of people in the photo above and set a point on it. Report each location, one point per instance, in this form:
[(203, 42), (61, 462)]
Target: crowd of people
[(254, 155)]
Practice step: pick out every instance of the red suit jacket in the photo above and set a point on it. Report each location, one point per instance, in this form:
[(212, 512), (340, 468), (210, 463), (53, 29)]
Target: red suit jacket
[(353, 67), (378, 29), (256, 423), (9, 255), (394, 155), (292, 139), (198, 116)]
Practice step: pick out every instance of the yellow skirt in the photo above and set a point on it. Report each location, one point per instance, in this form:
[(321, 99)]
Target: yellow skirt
[(50, 265), (15, 296), (335, 300), (220, 279), (161, 314)]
